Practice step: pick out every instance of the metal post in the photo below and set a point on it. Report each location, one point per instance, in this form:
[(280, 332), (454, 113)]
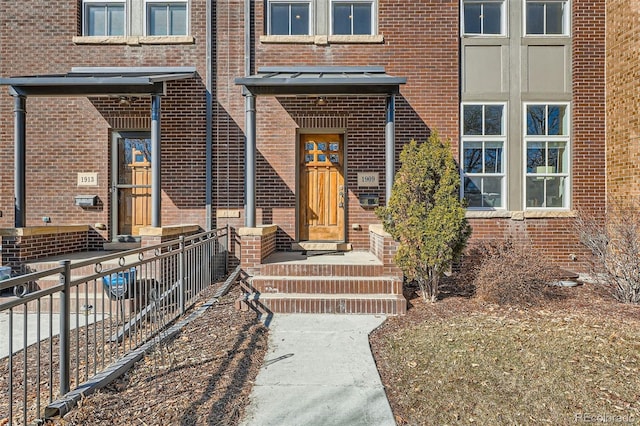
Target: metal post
[(181, 271), (250, 156), (65, 279), (226, 250), (209, 130), (156, 184), (20, 160), (390, 145)]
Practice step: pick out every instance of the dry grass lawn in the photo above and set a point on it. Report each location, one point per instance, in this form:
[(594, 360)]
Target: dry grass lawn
[(463, 362)]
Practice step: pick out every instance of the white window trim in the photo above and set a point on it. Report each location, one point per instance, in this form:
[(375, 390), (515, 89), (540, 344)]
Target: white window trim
[(566, 18), (374, 16), (483, 138), (145, 17), (311, 17), (547, 138), (85, 18), (504, 27)]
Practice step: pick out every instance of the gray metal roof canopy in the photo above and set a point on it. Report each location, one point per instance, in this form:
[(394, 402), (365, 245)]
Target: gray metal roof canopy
[(99, 81), (334, 80)]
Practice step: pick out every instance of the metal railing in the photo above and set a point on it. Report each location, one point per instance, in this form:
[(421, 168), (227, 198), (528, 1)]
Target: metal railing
[(84, 316)]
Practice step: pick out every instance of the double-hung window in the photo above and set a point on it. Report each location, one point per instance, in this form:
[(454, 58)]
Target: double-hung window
[(483, 142), (547, 17), (547, 155), (483, 17), (352, 17), (289, 18), (103, 18), (166, 18)]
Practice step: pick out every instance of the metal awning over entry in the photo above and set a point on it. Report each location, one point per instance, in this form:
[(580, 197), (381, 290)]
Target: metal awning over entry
[(283, 81), (315, 81), (91, 82), (98, 81)]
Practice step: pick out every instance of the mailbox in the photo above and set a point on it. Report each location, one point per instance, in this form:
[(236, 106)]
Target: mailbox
[(86, 200), (369, 200)]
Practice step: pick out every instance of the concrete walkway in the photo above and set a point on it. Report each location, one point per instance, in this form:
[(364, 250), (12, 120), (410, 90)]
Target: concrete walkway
[(17, 334), (319, 371)]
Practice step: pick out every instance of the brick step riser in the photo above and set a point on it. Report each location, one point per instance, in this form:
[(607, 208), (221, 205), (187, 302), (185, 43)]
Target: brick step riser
[(80, 272), (330, 306), (96, 290), (327, 270), (328, 286), (110, 307)]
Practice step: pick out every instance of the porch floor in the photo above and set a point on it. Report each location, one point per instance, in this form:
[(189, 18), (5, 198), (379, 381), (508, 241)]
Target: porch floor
[(78, 257), (332, 258)]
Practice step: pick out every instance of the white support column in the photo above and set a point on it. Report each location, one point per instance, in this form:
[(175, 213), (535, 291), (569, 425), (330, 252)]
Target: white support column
[(20, 160), (390, 145), (156, 156), (250, 161)]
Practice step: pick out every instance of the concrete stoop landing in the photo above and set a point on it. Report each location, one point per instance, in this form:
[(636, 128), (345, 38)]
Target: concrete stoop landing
[(338, 283), (85, 297)]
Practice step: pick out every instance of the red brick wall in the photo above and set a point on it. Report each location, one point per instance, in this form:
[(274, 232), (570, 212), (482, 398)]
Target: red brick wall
[(421, 44), (588, 105), (16, 250), (70, 135), (623, 91), (254, 249)]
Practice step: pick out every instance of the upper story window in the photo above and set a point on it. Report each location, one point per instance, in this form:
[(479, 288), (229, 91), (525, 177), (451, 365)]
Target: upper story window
[(547, 17), (135, 21), (287, 18), (483, 17), (547, 155), (321, 21), (103, 18), (166, 18), (352, 18), (483, 162)]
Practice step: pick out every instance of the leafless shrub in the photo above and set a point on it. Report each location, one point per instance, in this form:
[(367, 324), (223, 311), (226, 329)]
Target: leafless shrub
[(473, 258), (614, 242), (513, 273)]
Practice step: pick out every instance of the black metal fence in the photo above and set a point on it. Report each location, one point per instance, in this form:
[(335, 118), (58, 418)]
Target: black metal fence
[(83, 316)]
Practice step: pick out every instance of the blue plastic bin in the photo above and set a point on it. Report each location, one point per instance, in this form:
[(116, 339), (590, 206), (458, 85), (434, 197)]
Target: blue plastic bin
[(119, 285)]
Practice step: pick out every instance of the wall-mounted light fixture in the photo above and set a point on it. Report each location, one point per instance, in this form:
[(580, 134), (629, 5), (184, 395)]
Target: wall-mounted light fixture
[(321, 101), (126, 100)]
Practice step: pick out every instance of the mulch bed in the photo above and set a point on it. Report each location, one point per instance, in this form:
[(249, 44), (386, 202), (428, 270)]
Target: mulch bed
[(202, 376)]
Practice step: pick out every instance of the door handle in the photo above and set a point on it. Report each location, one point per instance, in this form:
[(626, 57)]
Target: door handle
[(341, 196)]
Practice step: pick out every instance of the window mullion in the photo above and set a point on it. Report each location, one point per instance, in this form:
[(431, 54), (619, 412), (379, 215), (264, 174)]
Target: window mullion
[(168, 20), (352, 19)]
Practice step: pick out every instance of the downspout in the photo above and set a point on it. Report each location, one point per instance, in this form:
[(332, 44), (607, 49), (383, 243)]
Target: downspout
[(250, 114), (247, 38), (209, 112)]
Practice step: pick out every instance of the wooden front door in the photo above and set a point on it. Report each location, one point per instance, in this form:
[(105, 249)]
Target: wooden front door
[(322, 190), (132, 182), (141, 192)]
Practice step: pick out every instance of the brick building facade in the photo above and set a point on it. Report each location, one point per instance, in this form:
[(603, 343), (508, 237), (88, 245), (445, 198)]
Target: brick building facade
[(68, 136), (623, 94), (446, 61)]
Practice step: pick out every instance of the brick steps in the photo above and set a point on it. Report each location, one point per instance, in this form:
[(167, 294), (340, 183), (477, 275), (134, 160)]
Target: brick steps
[(324, 270), (326, 285), (387, 304), (338, 288), (98, 305)]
